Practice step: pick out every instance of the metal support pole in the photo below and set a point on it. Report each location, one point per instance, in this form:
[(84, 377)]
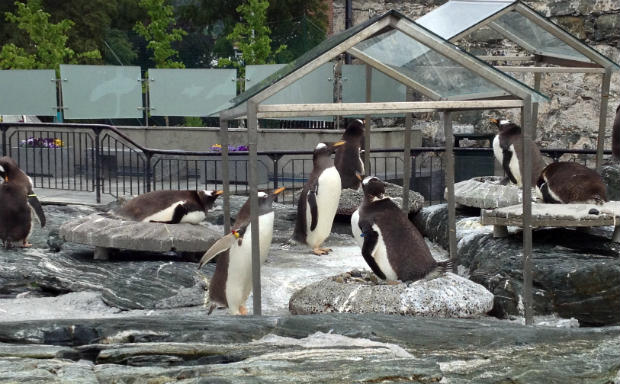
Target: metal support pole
[(225, 176), (97, 164), (367, 121), (446, 121), (407, 153), (526, 112), (147, 171), (537, 80), (253, 160), (602, 122)]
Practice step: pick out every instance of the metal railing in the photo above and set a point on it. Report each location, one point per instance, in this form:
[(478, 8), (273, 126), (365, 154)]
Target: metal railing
[(101, 159)]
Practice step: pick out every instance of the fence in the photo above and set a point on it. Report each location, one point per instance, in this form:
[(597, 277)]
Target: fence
[(102, 160)]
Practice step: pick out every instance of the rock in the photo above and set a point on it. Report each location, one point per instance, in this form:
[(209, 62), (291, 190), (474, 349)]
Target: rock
[(486, 192), (575, 273), (350, 200), (106, 232), (611, 175), (446, 296)]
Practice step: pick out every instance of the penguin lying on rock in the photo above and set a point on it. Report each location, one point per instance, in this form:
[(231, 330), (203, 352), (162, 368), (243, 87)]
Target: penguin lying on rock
[(231, 283), (508, 150), (319, 200), (170, 207), (348, 160), (568, 182), (391, 245), (17, 201)]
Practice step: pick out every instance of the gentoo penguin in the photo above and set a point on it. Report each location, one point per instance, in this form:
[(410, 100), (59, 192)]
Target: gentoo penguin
[(391, 245), (615, 136), (568, 182), (508, 151), (17, 201), (231, 283), (319, 200), (348, 158), (170, 207)]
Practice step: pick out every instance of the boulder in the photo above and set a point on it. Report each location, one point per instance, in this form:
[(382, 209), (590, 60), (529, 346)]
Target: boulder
[(350, 200), (611, 175), (446, 296), (487, 192)]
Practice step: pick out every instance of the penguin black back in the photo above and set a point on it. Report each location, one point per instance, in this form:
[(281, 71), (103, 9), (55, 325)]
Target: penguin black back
[(615, 136), (567, 182), (347, 160)]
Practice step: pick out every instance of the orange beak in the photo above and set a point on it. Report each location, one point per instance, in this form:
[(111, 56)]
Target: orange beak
[(339, 143), (277, 191), (235, 233), (494, 121), (359, 176), (217, 192)]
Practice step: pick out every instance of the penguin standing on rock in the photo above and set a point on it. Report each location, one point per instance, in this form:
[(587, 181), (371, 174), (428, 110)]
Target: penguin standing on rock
[(17, 201), (568, 182), (319, 200), (508, 150), (231, 283), (391, 245), (348, 158), (170, 207)]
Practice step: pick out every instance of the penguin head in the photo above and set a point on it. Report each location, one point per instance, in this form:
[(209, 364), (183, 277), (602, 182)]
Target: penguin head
[(265, 200), (208, 197), (355, 130), (506, 125), (3, 174), (324, 150), (7, 168), (374, 188)]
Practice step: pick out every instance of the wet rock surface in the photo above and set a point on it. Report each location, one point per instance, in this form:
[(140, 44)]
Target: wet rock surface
[(448, 295), (486, 192), (575, 273)]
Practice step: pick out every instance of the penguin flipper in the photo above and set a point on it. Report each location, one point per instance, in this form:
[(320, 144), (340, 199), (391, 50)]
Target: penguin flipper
[(35, 204), (222, 245), (314, 213), (370, 241), (506, 165)]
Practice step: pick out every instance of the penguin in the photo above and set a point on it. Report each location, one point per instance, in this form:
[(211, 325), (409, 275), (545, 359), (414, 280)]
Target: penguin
[(615, 136), (170, 207), (568, 182), (319, 200), (231, 283), (508, 150), (391, 245), (17, 202), (348, 158)]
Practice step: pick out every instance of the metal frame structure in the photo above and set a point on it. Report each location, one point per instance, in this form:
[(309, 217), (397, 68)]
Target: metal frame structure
[(249, 105), (594, 62)]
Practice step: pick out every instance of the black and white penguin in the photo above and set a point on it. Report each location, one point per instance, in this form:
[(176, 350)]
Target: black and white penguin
[(348, 159), (319, 200), (508, 151), (391, 245), (170, 207), (231, 283), (568, 182), (615, 136), (17, 201)]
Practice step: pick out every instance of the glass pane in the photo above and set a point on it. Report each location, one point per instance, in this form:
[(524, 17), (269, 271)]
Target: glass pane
[(457, 16), (101, 91), (427, 67), (254, 74), (190, 92), (28, 92), (543, 41), (383, 87)]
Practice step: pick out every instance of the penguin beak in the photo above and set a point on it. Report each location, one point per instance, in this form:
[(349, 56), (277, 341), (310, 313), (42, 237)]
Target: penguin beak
[(338, 143), (494, 121), (6, 179), (277, 191), (359, 176), (217, 192)]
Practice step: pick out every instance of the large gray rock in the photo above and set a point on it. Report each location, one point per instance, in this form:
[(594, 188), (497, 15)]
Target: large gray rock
[(350, 200), (611, 175), (487, 192), (446, 296)]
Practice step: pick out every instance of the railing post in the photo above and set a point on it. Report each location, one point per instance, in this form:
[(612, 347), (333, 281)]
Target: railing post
[(147, 171), (4, 141), (97, 165)]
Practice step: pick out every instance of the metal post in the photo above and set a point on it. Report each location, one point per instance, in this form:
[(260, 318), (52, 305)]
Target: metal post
[(225, 175), (537, 80), (367, 121), (4, 153), (147, 171), (526, 112), (348, 23), (602, 122), (446, 121), (253, 160), (97, 164), (407, 154)]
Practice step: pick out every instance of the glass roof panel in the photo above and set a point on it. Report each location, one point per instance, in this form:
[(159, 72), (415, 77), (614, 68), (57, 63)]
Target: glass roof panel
[(427, 67), (457, 16)]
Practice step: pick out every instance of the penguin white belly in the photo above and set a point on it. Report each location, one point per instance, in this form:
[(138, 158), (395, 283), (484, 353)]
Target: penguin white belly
[(194, 217), (164, 215), (355, 228), (327, 199), (239, 279), (514, 165), (497, 150), (381, 257)]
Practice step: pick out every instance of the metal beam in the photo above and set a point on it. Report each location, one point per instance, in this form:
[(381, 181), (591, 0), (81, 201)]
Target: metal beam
[(509, 68), (225, 176), (481, 24), (602, 120), (252, 180), (526, 173), (367, 119), (322, 59), (511, 36), (566, 62), (394, 74), (507, 58), (407, 153), (235, 112), (446, 121)]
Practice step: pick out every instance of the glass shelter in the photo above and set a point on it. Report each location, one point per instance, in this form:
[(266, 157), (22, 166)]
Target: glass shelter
[(448, 79)]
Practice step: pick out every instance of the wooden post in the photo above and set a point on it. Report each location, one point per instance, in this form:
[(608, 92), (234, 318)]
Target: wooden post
[(407, 153), (526, 172), (446, 121), (225, 175), (602, 120), (252, 181), (367, 121), (537, 80)]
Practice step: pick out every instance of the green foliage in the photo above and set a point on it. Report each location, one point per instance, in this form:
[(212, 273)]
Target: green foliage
[(193, 121), (159, 34), (47, 44)]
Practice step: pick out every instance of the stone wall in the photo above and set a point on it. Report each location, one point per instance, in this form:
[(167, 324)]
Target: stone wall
[(571, 118)]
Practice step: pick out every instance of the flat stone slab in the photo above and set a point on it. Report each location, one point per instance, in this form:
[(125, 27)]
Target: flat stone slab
[(105, 232), (350, 200), (449, 295), (486, 192)]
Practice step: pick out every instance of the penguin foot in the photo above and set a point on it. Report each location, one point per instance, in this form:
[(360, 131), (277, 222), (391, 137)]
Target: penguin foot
[(321, 251), (392, 282), (243, 310), (26, 244)]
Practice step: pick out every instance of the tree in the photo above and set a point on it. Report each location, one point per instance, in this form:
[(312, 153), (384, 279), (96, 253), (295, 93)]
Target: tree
[(158, 33), (46, 46)]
